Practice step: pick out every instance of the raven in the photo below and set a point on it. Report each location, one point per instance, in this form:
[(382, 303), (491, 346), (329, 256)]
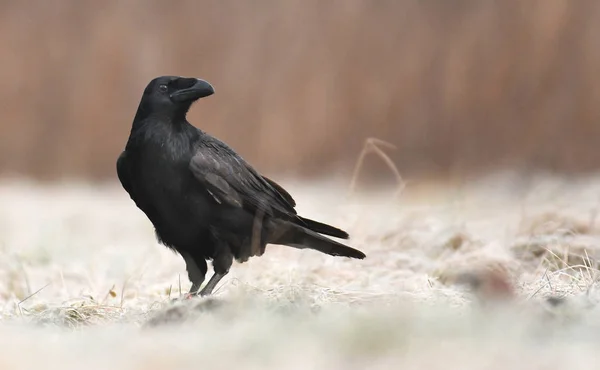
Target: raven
[(204, 201)]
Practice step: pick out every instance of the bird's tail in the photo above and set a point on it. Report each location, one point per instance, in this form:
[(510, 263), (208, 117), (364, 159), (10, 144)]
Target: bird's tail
[(299, 237), (322, 228)]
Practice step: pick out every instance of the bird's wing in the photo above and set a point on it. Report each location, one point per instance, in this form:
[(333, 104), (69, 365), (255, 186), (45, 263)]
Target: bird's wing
[(281, 191), (229, 179), (123, 171)]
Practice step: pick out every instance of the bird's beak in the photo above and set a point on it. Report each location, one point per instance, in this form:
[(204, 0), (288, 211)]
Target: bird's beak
[(199, 89)]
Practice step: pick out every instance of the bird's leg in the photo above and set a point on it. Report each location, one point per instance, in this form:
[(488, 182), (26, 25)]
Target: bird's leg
[(212, 283), (221, 264), (196, 269)]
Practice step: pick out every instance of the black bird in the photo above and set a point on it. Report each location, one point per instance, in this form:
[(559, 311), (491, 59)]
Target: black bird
[(204, 200)]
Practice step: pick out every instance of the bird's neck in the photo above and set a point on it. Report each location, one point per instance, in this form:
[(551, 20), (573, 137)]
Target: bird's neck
[(155, 127), (176, 116), (173, 120)]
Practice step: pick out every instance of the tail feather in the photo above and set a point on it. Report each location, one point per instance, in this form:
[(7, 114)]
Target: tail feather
[(322, 228), (298, 237)]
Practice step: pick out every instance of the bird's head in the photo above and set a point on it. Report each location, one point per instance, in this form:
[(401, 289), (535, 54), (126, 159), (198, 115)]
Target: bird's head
[(173, 95)]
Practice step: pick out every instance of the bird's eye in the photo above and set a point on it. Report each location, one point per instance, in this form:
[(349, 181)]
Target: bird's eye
[(163, 88)]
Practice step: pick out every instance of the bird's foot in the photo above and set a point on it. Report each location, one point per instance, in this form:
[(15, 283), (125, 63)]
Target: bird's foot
[(185, 297)]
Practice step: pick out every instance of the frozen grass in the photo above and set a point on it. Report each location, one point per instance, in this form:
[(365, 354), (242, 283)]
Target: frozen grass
[(83, 283)]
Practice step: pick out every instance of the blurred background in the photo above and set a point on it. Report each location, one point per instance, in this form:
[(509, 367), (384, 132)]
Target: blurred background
[(460, 87)]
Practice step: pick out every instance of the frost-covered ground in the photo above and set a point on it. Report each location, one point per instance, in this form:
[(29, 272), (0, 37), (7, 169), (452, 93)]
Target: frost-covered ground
[(83, 283)]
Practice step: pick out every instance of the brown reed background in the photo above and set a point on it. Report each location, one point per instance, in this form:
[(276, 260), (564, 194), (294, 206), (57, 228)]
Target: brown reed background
[(459, 86)]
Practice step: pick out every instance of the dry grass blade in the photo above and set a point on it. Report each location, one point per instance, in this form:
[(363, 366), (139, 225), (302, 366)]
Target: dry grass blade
[(376, 141), (372, 145), (255, 240), (34, 293), (123, 292)]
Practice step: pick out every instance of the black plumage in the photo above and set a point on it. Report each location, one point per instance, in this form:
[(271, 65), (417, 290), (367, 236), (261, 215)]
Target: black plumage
[(204, 200)]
